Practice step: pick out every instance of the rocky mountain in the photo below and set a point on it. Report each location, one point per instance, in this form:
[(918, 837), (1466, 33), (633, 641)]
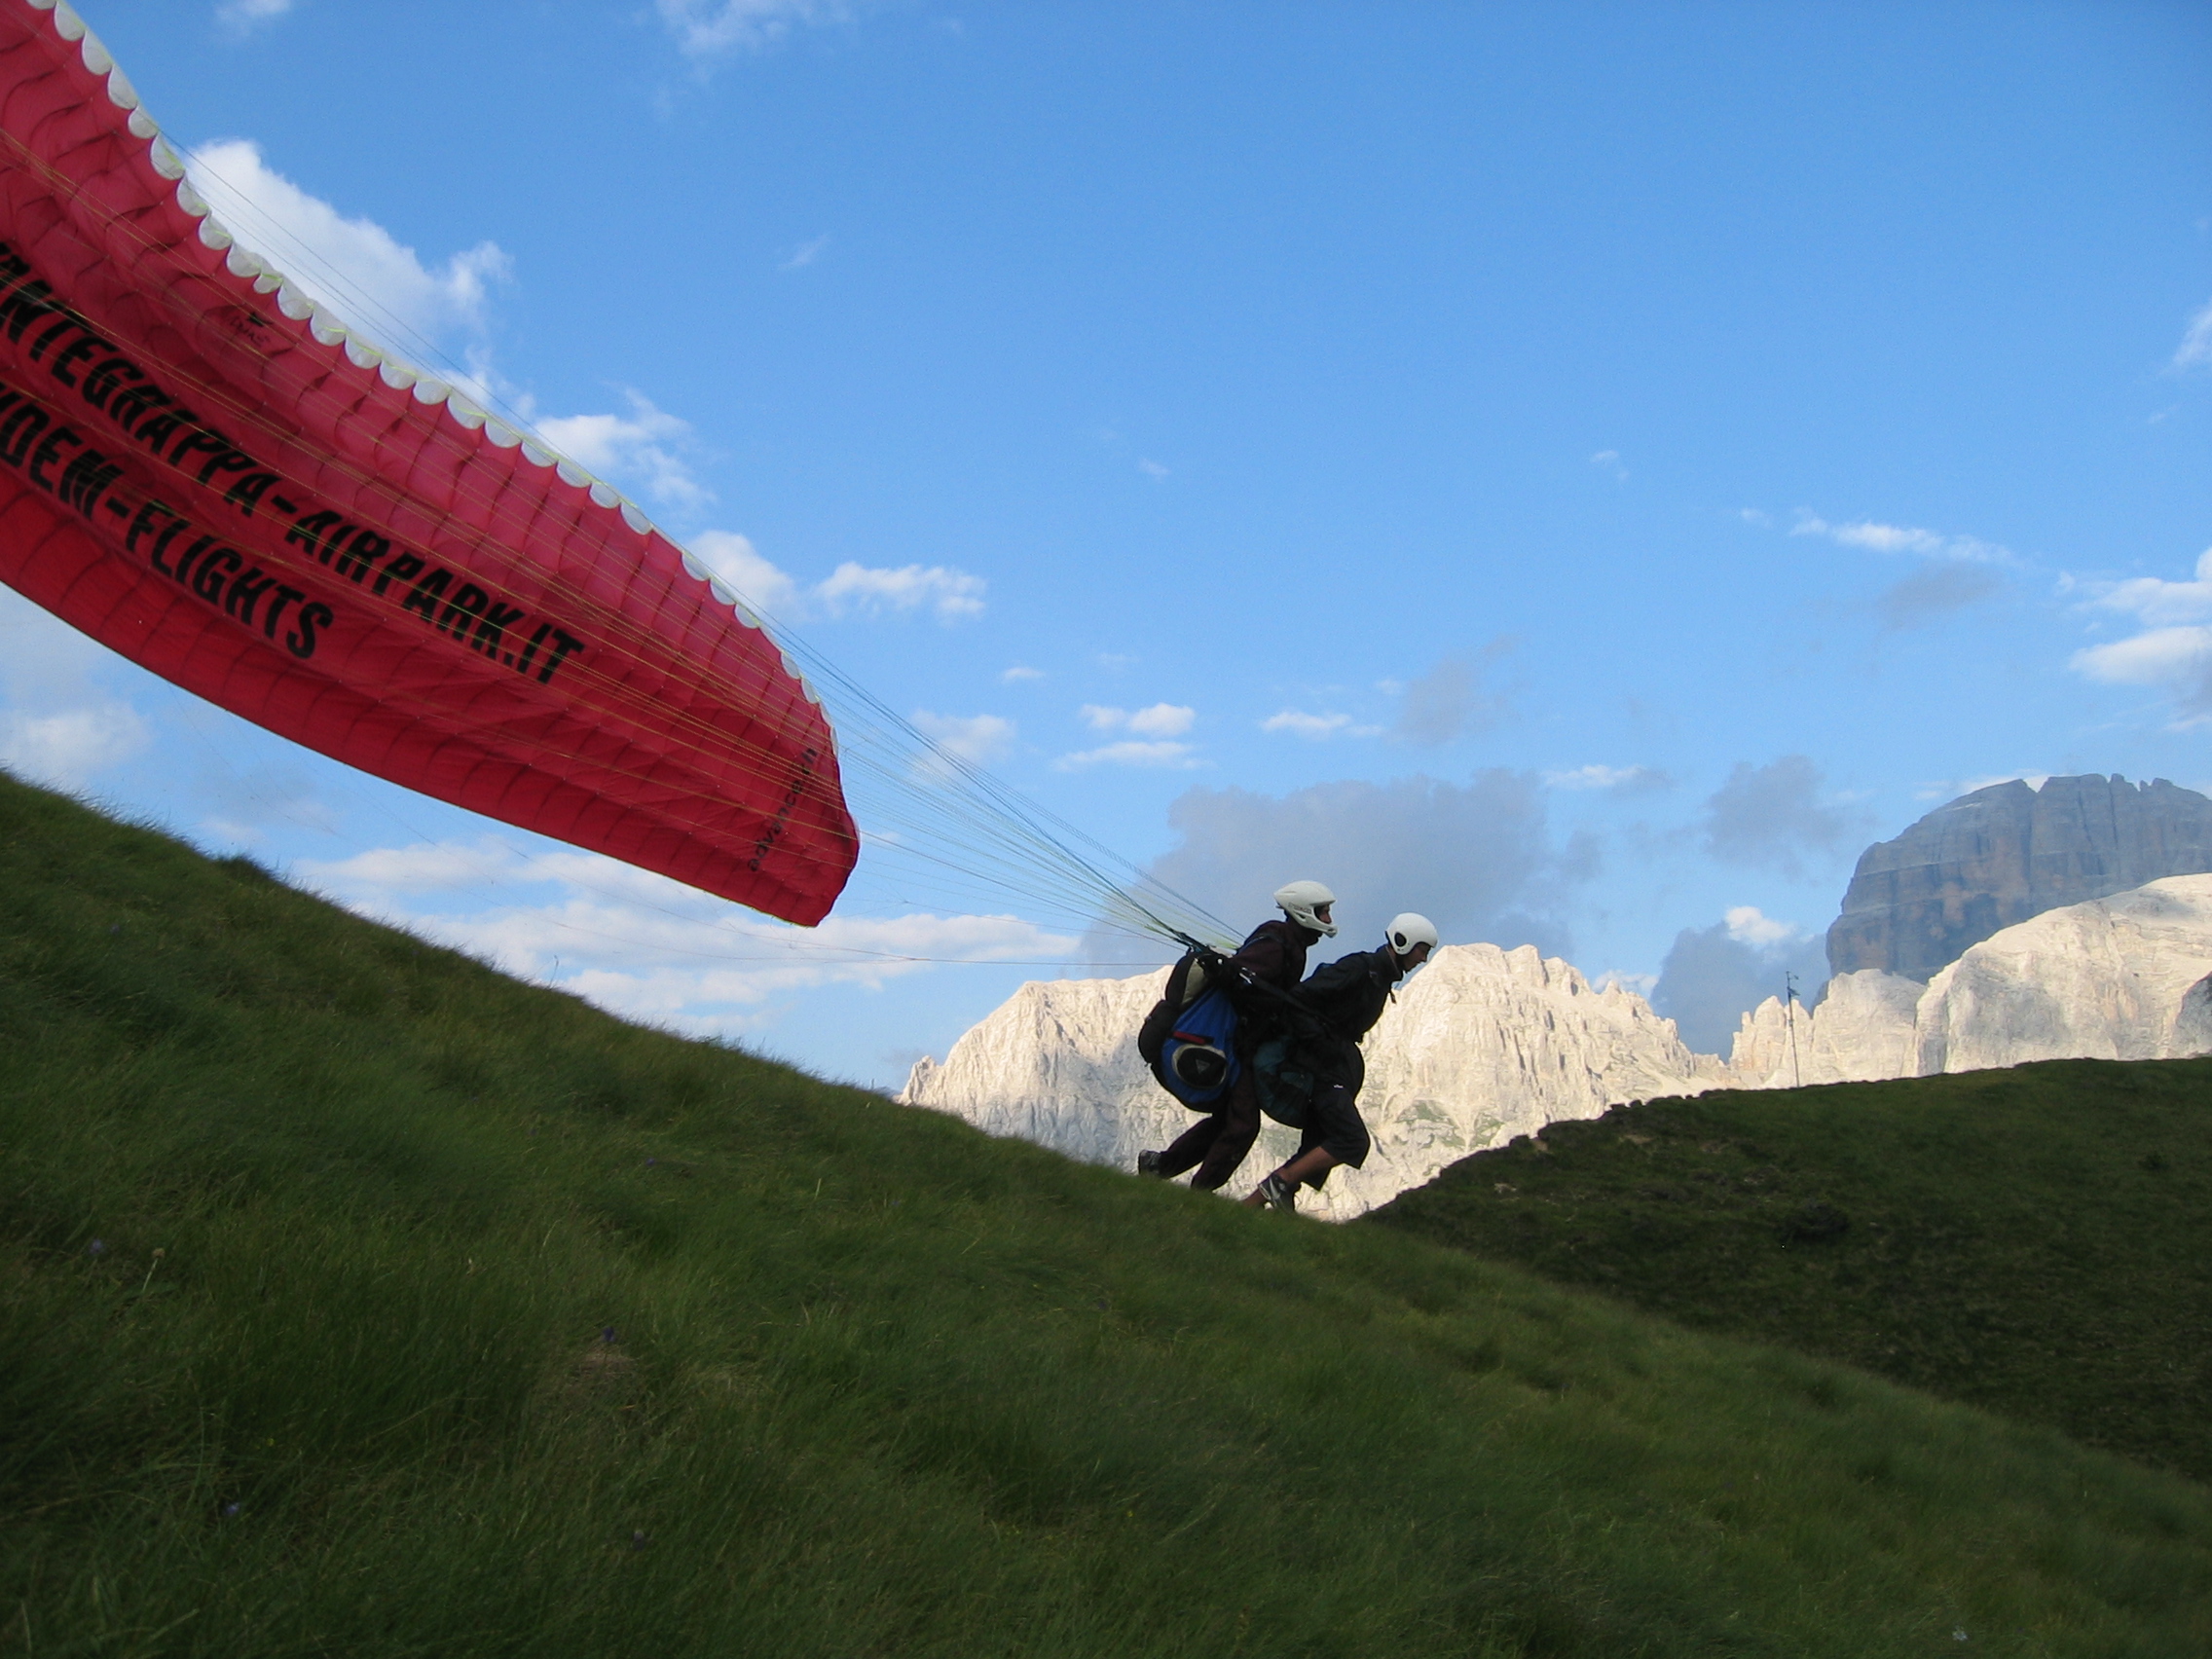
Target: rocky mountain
[(1999, 856), (1485, 1044), (2124, 978), (1482, 1045)]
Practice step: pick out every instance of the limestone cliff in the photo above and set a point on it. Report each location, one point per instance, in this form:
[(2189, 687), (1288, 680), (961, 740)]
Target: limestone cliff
[(1999, 856), (2124, 978)]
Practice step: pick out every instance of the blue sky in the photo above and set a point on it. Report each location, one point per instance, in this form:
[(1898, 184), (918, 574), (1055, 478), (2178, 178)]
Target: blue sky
[(1580, 471)]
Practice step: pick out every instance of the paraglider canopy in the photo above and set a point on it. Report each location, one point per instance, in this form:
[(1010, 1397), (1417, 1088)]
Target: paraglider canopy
[(203, 471)]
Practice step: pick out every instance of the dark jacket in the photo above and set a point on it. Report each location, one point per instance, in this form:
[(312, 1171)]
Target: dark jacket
[(1346, 997)]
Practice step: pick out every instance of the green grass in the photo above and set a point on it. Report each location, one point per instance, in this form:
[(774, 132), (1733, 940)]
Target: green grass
[(339, 1379), (2037, 1241)]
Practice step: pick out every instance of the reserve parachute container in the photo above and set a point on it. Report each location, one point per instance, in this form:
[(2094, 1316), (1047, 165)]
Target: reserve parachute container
[(203, 470)]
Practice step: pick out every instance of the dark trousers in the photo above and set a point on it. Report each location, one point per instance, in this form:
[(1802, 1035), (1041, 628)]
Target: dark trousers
[(1216, 1144)]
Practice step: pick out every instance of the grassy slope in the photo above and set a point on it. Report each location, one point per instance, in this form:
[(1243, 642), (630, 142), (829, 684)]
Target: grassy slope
[(2035, 1240), (339, 1379)]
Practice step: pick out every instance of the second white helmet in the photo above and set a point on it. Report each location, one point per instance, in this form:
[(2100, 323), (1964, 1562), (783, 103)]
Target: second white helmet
[(1303, 901), (1410, 930)]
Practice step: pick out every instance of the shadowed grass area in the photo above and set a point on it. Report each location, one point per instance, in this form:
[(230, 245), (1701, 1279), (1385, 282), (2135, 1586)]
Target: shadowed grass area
[(358, 1300), (2035, 1240)]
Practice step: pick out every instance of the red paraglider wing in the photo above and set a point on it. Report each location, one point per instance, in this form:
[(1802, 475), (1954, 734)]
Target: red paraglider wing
[(202, 472)]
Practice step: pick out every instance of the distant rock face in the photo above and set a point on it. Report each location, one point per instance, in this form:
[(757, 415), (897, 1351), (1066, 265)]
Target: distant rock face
[(1480, 1045), (2124, 978), (1484, 1044), (1997, 857)]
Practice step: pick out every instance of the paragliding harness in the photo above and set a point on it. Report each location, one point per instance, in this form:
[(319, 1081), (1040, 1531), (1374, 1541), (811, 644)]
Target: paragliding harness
[(1189, 1040)]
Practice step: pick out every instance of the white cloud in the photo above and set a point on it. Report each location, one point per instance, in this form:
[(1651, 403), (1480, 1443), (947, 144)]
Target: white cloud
[(67, 747), (1753, 516), (772, 592), (1610, 461), (1901, 539), (766, 590), (642, 945), (1151, 469), (240, 17), (952, 594), (978, 738), (2195, 348), (638, 445), (1162, 719), (1317, 728), (1176, 756), (1016, 675), (1634, 779), (2153, 658), (707, 28), (355, 267), (805, 254), (2156, 601), (1746, 925)]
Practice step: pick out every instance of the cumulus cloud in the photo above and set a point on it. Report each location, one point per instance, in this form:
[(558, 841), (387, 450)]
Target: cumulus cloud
[(850, 589), (1770, 817), (1714, 975), (1019, 674), (709, 28), (1476, 858), (1901, 539), (1608, 461), (2195, 348), (1935, 592), (951, 594), (766, 589), (1151, 469), (979, 739), (354, 266), (1619, 780), (641, 444), (1448, 700), (68, 748), (1177, 756), (1317, 728), (2173, 651), (641, 945), (1162, 719)]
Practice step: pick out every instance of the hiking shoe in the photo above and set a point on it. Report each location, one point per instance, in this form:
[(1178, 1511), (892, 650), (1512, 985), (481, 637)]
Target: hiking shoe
[(1276, 1194), (1147, 1164)]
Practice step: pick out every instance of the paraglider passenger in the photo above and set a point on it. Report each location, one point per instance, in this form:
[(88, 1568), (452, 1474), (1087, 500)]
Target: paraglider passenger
[(1265, 968), (1346, 998)]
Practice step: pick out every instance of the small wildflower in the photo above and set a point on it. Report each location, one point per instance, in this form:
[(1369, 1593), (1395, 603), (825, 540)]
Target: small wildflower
[(230, 1509), (607, 1334), (650, 1161), (638, 1540), (97, 1247), (1957, 1636)]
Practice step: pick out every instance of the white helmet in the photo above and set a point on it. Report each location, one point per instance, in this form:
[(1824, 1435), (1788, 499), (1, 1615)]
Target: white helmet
[(1303, 901), (1408, 932)]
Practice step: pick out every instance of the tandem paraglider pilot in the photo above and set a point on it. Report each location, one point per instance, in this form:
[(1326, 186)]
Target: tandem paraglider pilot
[(1200, 1036), (1311, 1076)]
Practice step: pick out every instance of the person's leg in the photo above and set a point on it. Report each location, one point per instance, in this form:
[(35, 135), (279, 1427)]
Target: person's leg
[(1189, 1148), (1239, 1128), (1333, 1134)]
